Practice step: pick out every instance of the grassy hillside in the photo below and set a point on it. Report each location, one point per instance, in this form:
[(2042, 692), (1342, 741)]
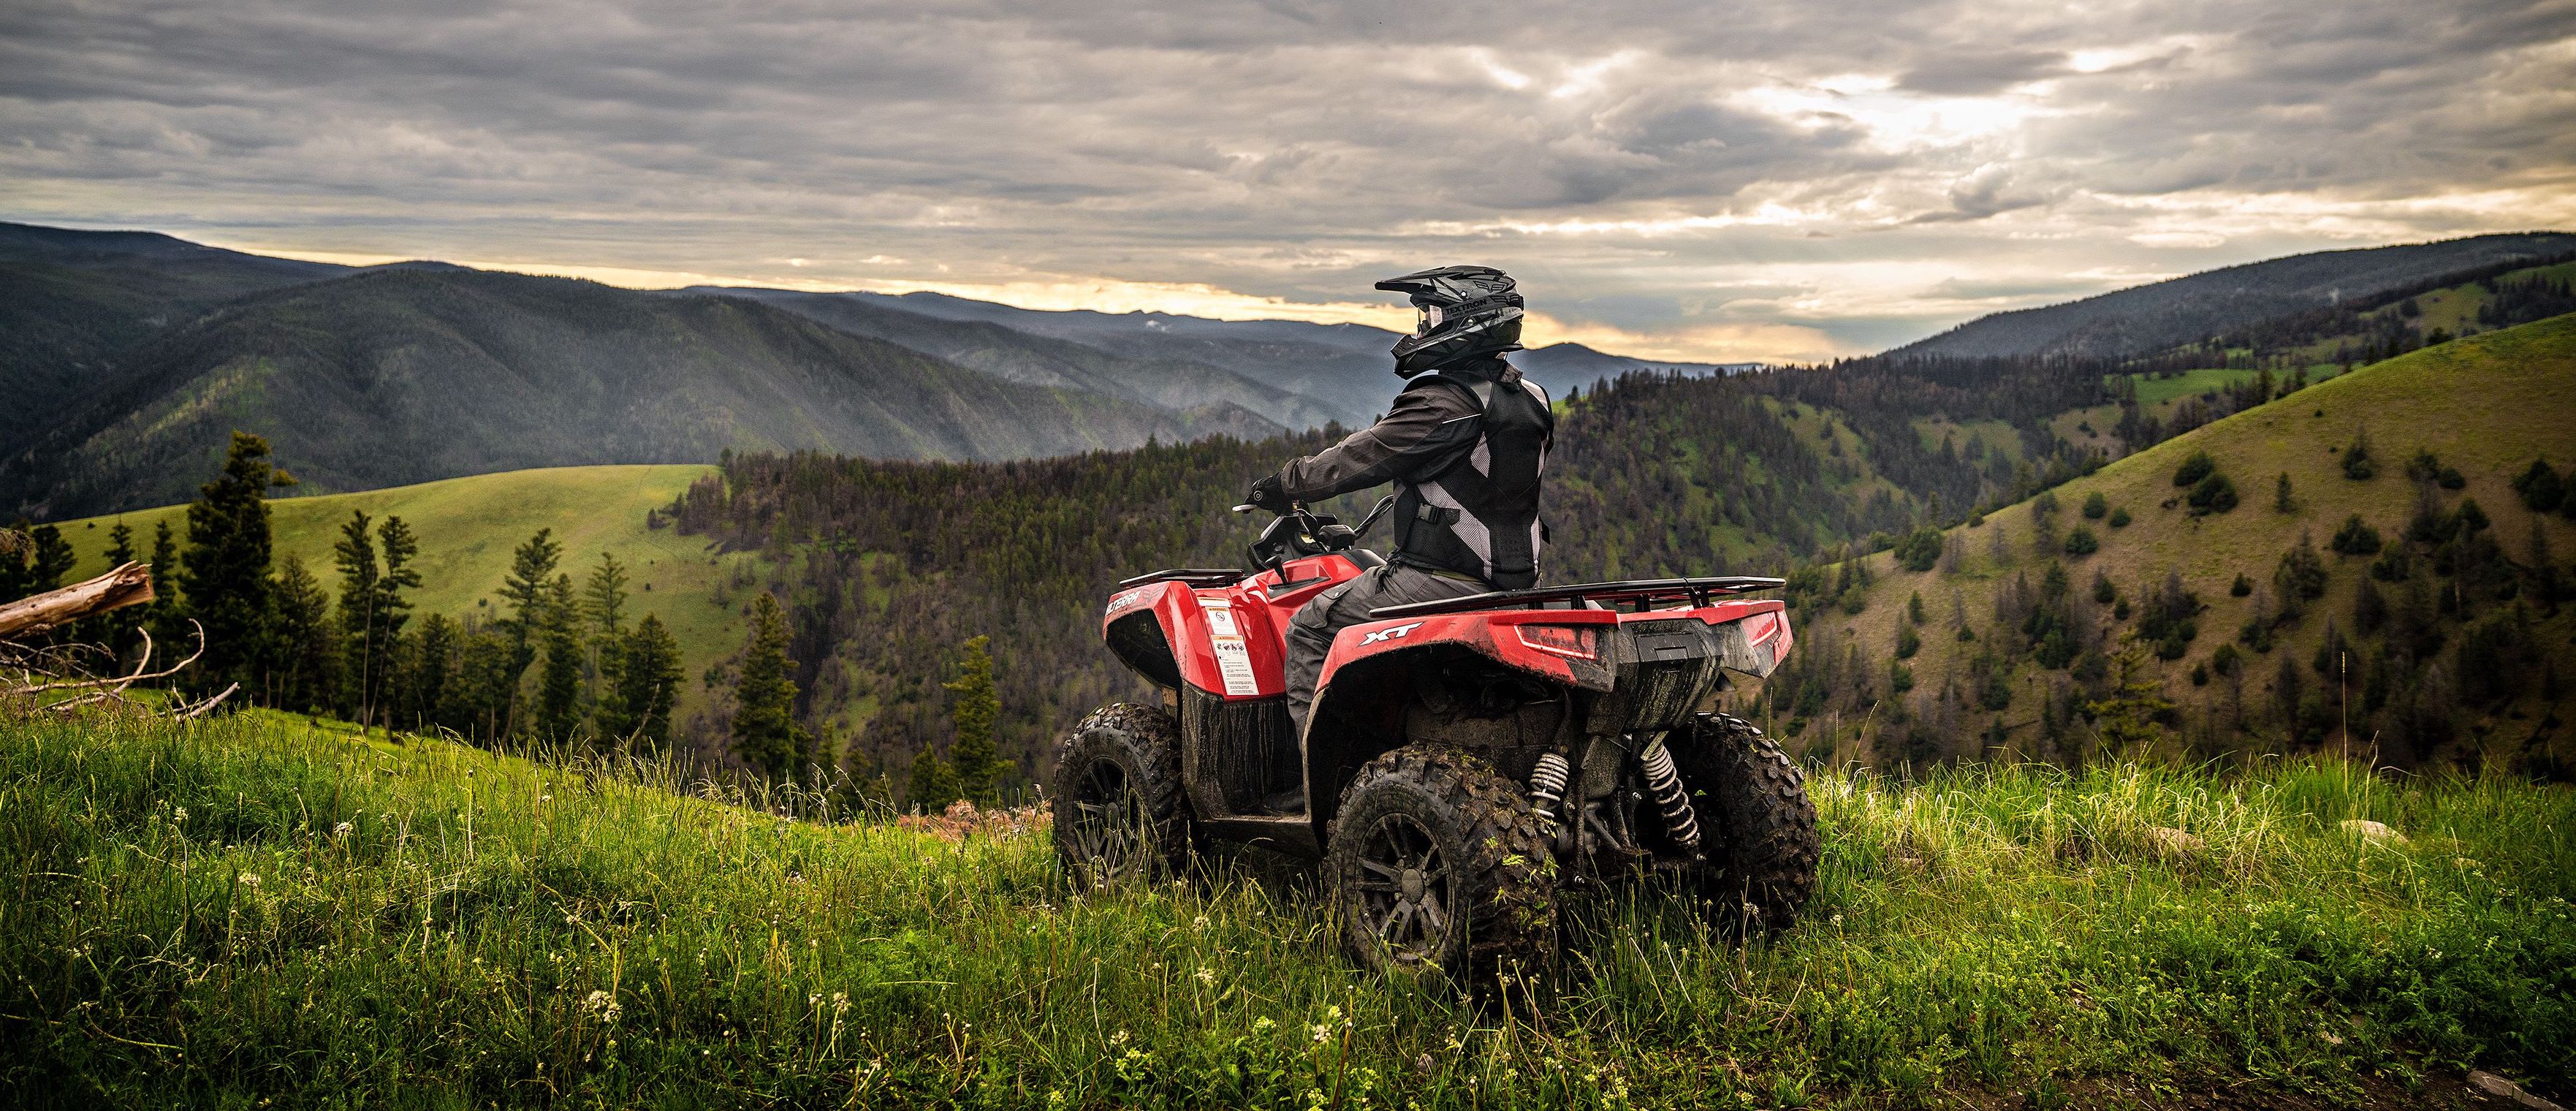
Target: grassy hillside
[(252, 912), (468, 527), (2487, 405)]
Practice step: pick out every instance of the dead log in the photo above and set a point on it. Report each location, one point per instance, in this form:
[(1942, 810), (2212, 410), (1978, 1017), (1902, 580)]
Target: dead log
[(117, 589)]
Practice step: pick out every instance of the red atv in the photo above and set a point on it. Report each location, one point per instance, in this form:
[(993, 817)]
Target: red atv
[(1465, 759)]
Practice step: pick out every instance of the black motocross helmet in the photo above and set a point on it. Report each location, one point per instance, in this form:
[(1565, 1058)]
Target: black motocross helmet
[(1466, 311)]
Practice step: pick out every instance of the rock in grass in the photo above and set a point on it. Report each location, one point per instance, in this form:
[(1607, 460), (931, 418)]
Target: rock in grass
[(2374, 832), (2508, 1091), (2172, 843)]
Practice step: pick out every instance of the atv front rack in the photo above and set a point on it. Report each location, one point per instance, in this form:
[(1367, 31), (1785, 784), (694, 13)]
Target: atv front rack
[(1194, 576), (1639, 595)]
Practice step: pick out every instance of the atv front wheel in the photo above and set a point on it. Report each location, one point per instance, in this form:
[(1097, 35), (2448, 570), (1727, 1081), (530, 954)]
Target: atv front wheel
[(1436, 863), (1751, 800), (1117, 788)]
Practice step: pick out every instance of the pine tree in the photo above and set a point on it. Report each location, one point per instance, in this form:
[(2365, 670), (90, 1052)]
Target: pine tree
[(52, 559), (2127, 719), (308, 645), (355, 555), (559, 685), (973, 753), (225, 571), (117, 629), (604, 595), (765, 733), (526, 590), (432, 671), (648, 681), (604, 604), (168, 615), (933, 785)]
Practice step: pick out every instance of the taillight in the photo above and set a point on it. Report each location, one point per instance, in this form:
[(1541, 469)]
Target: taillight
[(1583, 642)]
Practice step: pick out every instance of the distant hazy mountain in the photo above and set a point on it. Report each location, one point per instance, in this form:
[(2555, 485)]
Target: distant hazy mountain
[(1563, 366), (2184, 310), (1034, 359), (1344, 366), (405, 375)]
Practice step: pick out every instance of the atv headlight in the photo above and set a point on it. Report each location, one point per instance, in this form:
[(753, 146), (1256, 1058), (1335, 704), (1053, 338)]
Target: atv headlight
[(1582, 642)]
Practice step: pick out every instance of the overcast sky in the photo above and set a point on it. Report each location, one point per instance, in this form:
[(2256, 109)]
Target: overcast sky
[(1719, 181)]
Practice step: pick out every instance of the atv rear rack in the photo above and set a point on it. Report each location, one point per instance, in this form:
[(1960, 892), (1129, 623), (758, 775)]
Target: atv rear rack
[(1639, 594)]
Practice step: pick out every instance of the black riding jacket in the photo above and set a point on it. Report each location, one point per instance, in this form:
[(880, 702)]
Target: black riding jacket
[(1465, 447)]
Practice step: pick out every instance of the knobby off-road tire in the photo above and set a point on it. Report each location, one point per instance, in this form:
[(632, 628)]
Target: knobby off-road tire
[(1436, 863), (1117, 795), (1751, 800)]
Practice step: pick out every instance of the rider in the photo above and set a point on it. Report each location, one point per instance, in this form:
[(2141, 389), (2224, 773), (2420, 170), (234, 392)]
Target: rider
[(1464, 444)]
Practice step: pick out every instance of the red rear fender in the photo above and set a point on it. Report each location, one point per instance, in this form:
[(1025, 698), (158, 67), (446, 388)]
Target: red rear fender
[(1225, 640)]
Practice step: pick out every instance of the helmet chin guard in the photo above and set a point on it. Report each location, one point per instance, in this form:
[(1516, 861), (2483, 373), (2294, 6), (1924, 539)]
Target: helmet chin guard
[(1465, 312)]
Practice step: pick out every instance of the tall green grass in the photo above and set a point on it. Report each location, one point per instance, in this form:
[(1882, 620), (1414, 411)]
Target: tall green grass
[(250, 911)]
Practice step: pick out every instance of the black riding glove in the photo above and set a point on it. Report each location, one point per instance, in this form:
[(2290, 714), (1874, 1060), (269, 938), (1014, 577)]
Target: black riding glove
[(1266, 494)]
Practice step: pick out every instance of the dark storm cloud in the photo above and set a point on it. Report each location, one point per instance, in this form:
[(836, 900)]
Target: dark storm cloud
[(1704, 176)]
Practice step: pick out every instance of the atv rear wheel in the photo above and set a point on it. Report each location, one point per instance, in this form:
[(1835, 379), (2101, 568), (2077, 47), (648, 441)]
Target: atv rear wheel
[(1751, 800), (1117, 794), (1437, 863)]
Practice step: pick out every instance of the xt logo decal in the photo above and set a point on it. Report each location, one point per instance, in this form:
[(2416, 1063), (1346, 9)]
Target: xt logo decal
[(1391, 632)]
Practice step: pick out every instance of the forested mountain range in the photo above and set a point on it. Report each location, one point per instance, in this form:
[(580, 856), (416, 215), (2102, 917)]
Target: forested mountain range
[(71, 301), (2150, 318), (1035, 359), (408, 375), (126, 358)]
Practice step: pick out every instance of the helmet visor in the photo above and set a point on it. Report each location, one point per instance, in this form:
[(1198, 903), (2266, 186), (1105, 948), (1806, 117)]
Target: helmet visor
[(1427, 320)]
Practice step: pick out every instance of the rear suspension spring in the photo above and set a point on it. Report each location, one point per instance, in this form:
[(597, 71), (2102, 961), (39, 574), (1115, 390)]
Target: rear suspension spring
[(1665, 782), (1547, 788)]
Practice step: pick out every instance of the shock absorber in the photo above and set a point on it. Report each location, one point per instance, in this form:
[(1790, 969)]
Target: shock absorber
[(1547, 789), (1665, 783)]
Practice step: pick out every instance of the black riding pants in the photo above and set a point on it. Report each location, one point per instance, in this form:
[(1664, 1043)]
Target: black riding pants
[(1310, 633)]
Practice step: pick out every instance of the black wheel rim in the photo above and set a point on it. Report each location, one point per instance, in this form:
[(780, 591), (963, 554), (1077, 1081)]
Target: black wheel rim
[(1110, 836), (1404, 898)]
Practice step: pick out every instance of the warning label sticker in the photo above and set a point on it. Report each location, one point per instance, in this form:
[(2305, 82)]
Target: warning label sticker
[(1233, 658)]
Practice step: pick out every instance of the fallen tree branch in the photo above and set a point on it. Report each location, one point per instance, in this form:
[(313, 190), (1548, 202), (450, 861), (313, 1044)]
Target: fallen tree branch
[(208, 704), (128, 585), (127, 681)]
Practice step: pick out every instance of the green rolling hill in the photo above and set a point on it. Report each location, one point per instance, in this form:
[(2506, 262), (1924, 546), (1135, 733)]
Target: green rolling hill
[(468, 527), (2487, 406)]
